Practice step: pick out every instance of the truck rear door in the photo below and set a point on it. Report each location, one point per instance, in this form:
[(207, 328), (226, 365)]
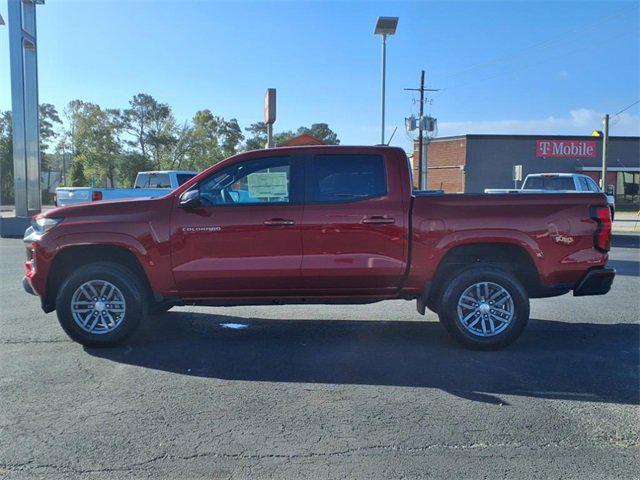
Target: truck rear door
[(354, 225)]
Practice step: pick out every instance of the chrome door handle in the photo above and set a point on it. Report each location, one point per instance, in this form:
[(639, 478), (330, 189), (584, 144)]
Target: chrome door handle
[(276, 222), (379, 220)]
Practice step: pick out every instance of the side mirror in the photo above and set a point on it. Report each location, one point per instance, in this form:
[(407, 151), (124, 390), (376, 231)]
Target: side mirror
[(190, 199)]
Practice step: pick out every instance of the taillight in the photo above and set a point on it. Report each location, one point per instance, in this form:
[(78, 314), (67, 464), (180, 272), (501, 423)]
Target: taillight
[(602, 235), (96, 195)]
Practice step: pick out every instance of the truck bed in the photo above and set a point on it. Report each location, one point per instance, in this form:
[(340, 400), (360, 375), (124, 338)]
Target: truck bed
[(556, 230)]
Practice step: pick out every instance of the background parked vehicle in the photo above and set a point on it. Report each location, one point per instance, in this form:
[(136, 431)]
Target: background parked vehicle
[(147, 185), (558, 182), (317, 225)]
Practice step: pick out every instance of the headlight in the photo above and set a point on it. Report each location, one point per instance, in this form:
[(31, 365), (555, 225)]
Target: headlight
[(44, 224)]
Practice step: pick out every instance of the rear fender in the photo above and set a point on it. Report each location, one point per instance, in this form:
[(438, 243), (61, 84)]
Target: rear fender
[(488, 236)]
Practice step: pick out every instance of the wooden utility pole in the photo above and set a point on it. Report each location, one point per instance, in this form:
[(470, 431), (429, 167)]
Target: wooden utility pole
[(422, 157), (605, 141), (422, 168)]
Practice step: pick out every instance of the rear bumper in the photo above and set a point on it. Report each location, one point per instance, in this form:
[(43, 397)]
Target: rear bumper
[(595, 282)]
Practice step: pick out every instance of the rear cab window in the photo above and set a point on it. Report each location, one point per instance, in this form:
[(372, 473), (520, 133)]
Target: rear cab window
[(346, 178), (153, 180), (549, 183)]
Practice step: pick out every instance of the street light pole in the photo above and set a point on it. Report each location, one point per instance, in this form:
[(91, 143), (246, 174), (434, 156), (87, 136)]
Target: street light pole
[(385, 26), (605, 141), (384, 76)]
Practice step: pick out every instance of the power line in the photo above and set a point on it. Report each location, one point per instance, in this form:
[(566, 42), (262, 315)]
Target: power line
[(545, 43), (530, 65), (627, 108)]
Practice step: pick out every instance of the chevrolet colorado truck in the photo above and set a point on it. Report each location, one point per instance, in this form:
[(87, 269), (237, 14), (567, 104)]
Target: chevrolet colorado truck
[(317, 224)]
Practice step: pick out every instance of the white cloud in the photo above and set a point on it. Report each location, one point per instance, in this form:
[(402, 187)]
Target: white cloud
[(579, 122)]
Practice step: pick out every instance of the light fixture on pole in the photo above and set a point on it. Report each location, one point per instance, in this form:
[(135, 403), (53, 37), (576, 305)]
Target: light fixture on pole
[(385, 26)]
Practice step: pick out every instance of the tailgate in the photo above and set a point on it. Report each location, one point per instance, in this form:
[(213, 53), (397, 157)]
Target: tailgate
[(71, 196)]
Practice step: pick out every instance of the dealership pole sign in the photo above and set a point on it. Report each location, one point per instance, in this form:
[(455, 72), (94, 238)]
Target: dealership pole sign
[(566, 148)]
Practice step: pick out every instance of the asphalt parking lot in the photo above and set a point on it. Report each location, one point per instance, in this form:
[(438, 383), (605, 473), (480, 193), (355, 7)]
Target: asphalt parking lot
[(373, 391)]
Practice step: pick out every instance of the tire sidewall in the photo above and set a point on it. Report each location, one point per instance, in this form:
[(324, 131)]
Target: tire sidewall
[(126, 282), (464, 279)]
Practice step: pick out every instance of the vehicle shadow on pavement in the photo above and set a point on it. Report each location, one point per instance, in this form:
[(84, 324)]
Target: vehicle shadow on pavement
[(571, 361)]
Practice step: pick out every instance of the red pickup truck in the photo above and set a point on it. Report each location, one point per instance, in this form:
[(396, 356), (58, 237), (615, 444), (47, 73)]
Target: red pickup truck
[(326, 224)]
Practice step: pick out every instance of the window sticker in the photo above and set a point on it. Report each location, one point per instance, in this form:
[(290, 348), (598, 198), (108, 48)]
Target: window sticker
[(268, 185)]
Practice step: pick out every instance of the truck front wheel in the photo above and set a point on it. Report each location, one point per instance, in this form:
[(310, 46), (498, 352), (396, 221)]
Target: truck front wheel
[(484, 308), (101, 304)]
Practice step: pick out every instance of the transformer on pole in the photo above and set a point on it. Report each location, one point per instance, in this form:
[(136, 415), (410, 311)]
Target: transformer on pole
[(423, 124)]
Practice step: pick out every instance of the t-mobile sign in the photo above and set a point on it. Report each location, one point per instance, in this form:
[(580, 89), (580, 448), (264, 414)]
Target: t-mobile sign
[(566, 148)]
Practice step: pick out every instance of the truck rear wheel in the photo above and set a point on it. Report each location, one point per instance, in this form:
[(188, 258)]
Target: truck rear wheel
[(484, 308), (101, 304)]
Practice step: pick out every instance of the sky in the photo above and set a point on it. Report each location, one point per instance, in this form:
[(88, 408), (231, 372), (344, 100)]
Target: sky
[(501, 67)]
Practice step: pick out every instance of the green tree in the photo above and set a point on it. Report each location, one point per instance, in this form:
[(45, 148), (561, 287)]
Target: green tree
[(77, 176), (205, 147), (282, 137), (129, 164), (182, 147), (136, 121), (95, 139), (322, 132), (161, 138), (151, 128), (6, 158), (231, 136), (258, 138), (49, 121)]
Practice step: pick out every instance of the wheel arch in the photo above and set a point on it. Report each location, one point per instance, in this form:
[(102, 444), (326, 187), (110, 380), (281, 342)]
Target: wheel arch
[(72, 257), (508, 256)]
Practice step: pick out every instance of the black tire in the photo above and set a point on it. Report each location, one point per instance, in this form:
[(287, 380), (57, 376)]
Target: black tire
[(458, 284), (129, 285)]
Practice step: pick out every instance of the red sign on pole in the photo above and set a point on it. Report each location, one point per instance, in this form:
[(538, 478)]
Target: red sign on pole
[(270, 106), (566, 148)]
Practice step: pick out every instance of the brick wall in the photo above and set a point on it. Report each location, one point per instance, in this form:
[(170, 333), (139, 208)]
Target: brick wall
[(446, 160)]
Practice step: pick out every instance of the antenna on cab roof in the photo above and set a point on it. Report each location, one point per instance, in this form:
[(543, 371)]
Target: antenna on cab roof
[(391, 138)]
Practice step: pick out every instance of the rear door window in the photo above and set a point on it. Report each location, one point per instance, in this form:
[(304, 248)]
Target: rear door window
[(346, 178)]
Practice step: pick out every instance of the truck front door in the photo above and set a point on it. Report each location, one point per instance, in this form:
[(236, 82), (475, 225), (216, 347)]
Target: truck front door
[(244, 238)]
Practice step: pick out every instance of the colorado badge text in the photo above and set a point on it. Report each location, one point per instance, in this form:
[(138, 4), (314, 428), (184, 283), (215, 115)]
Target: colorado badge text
[(203, 229)]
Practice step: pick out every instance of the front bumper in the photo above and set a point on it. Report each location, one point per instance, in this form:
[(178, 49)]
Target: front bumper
[(595, 282), (27, 286)]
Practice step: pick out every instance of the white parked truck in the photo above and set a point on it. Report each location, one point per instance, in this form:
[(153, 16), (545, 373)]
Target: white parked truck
[(557, 182), (147, 185)]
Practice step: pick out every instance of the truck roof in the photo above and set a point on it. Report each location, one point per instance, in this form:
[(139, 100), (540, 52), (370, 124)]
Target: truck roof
[(168, 171), (555, 175)]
